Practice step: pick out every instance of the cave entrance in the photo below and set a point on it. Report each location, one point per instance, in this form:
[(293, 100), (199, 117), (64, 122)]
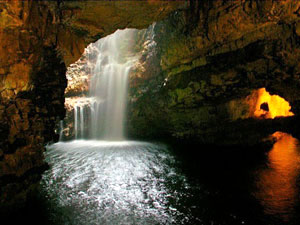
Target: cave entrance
[(269, 106), (260, 104), (97, 91)]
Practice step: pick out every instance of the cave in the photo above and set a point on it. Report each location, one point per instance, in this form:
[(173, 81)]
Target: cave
[(149, 112)]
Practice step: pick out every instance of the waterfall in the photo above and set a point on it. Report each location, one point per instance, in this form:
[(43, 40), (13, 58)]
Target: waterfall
[(75, 122), (103, 117), (61, 129), (81, 122)]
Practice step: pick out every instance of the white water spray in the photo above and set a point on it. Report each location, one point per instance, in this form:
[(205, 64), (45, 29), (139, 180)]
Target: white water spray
[(104, 117), (61, 130), (75, 121), (81, 121)]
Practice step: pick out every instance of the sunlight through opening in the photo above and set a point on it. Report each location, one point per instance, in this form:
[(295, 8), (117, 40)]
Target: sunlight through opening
[(271, 106)]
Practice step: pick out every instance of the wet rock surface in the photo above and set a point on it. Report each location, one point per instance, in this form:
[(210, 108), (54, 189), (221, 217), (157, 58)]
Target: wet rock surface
[(212, 58), (29, 120)]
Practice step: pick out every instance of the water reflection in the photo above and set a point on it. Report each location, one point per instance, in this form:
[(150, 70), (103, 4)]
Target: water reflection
[(92, 182), (98, 182), (277, 184)]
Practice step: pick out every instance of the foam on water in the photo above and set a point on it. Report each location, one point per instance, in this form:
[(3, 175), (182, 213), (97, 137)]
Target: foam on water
[(102, 182)]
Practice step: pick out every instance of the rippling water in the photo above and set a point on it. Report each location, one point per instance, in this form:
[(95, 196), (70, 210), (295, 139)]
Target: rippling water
[(97, 182), (278, 183), (93, 182)]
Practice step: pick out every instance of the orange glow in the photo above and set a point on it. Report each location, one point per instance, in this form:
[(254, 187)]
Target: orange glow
[(277, 184), (277, 106)]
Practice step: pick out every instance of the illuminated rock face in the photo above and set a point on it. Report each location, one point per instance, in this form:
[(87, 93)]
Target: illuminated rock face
[(271, 106), (211, 59), (260, 104)]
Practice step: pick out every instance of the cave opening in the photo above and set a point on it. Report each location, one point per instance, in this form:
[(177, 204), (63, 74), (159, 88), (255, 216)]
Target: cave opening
[(261, 106), (97, 91), (270, 106)]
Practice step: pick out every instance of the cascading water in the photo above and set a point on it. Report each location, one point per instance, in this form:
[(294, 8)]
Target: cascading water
[(76, 121), (104, 116), (81, 121), (61, 130)]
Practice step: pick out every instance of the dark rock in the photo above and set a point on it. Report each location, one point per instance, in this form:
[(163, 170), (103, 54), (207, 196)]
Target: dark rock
[(265, 106)]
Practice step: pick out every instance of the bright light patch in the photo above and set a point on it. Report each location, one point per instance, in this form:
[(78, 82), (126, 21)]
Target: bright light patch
[(277, 184), (271, 106), (102, 182)]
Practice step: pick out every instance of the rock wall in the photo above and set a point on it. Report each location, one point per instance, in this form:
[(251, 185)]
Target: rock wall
[(212, 57), (200, 66), (32, 92)]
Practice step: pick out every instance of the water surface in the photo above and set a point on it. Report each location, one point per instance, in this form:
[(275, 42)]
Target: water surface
[(97, 182)]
